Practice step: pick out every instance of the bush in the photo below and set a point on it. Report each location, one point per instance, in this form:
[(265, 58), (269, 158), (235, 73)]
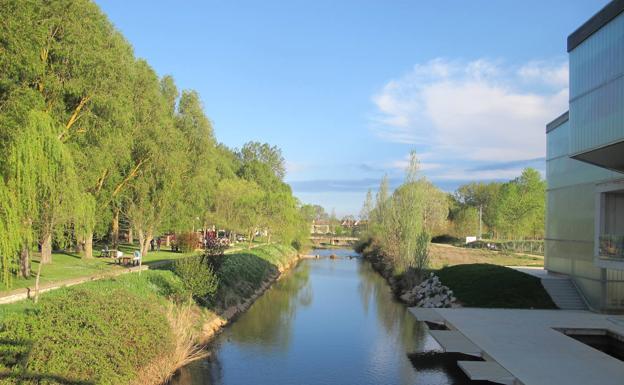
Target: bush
[(241, 274), (197, 276), (214, 251), (85, 334), (446, 239), (187, 242)]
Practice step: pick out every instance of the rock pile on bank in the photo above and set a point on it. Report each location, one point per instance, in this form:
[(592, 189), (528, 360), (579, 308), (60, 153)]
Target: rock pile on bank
[(431, 294)]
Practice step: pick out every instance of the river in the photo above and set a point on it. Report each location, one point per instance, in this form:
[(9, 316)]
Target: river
[(328, 321)]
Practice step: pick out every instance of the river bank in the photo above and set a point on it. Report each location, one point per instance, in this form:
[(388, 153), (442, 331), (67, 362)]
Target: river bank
[(475, 284), (221, 319), (143, 323), (327, 322)]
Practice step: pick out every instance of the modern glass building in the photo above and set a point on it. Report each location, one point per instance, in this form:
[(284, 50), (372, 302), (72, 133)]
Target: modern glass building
[(585, 165)]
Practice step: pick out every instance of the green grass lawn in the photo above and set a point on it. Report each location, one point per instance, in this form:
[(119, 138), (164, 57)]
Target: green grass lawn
[(106, 331), (66, 266), (485, 285)]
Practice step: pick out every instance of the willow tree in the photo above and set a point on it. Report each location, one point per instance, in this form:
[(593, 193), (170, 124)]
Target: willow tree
[(38, 170), (10, 234), (158, 158), (199, 171), (238, 206), (73, 57)]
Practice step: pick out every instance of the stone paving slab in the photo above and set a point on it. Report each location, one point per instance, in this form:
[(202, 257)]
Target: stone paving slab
[(486, 371), (529, 345), (427, 315), (454, 342)]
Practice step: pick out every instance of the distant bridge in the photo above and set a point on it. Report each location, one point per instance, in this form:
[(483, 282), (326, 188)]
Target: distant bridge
[(333, 240)]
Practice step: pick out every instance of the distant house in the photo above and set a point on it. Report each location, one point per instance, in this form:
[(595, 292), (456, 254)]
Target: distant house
[(585, 165), (320, 226)]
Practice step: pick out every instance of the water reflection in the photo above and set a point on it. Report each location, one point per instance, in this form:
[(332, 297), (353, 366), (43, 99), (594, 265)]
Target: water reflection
[(270, 322), (327, 322)]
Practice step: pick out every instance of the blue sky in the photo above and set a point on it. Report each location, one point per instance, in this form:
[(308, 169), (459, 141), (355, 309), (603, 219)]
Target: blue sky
[(347, 88)]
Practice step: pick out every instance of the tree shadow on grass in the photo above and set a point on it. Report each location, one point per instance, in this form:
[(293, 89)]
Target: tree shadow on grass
[(15, 354), (35, 378), (70, 254)]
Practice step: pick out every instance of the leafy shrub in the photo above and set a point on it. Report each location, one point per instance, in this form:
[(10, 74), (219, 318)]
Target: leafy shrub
[(187, 242), (85, 334), (446, 239), (241, 274), (168, 285), (214, 251), (197, 276)]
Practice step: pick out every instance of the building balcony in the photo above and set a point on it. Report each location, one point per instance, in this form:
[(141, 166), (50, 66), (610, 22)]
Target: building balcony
[(611, 247)]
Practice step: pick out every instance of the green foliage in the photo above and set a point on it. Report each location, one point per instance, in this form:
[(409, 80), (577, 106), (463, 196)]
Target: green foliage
[(513, 210), (400, 221), (85, 333), (484, 285), (187, 242), (88, 133), (263, 153), (241, 274), (466, 222), (197, 276), (421, 252)]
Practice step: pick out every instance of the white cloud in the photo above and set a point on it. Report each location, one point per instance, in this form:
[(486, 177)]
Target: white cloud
[(402, 164), (471, 175), (482, 109), (543, 72)]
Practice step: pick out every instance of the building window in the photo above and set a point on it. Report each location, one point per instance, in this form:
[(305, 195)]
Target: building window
[(611, 225)]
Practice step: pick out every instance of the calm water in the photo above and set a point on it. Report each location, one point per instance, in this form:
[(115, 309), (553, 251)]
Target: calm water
[(327, 322)]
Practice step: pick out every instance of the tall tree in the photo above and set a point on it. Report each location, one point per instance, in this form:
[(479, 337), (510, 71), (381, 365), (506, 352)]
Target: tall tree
[(266, 154), (157, 154)]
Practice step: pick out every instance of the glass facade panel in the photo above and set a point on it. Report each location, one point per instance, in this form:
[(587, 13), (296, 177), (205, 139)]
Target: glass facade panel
[(596, 119), (599, 59), (573, 209), (564, 172), (597, 89), (558, 142)]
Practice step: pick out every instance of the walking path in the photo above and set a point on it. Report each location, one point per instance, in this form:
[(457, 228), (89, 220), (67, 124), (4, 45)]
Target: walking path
[(29, 292)]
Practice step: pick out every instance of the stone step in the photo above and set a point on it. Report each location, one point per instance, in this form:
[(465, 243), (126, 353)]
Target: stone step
[(486, 371), (455, 342), (563, 293)]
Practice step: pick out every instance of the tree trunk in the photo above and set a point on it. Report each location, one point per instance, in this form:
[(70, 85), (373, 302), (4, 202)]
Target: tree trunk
[(79, 244), (141, 241), (115, 228), (149, 235), (251, 234), (46, 249), (25, 261), (144, 241), (130, 236), (88, 245)]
